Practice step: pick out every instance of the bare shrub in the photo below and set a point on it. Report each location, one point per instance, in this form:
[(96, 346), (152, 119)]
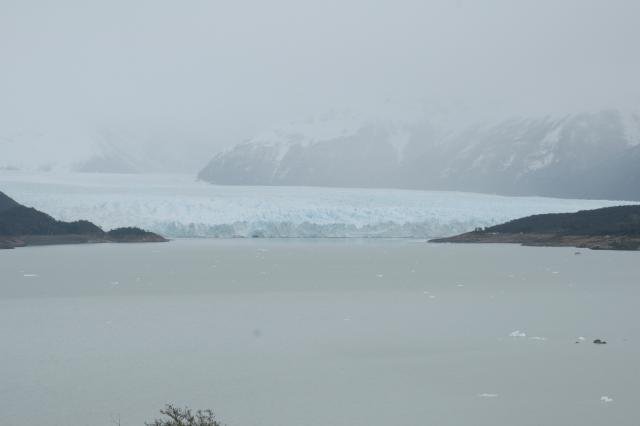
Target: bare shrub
[(175, 416)]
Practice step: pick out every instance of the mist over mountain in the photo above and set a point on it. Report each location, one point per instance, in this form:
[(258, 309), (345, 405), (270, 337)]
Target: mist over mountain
[(144, 86), (579, 155), (126, 149), (118, 148)]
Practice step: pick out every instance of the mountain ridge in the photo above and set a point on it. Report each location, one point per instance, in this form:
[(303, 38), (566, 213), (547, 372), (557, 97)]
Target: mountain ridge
[(584, 155)]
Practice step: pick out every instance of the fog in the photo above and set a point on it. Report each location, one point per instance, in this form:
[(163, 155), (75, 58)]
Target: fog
[(193, 77)]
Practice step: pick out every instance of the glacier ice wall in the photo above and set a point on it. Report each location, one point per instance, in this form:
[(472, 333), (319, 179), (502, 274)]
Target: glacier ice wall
[(178, 206)]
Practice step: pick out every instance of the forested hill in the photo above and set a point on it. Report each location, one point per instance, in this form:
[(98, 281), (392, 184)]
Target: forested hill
[(621, 220), (6, 202), (21, 226), (609, 228)]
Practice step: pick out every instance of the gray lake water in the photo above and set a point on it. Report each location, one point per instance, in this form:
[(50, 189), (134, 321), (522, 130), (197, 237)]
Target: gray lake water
[(328, 332)]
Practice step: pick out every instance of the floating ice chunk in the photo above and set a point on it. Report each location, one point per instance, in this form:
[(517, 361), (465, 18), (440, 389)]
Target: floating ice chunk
[(432, 297), (606, 399), (488, 395), (582, 339), (517, 333), (538, 338), (30, 275), (380, 275), (115, 283), (459, 285)]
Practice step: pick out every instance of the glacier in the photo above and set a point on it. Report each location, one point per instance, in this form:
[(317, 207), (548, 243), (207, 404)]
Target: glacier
[(179, 206)]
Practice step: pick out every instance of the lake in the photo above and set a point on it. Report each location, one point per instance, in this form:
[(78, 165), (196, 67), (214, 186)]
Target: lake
[(294, 332)]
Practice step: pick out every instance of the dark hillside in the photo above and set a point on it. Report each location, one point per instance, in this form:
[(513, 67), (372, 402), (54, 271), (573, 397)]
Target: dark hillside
[(6, 202), (621, 220), (20, 225), (609, 228)]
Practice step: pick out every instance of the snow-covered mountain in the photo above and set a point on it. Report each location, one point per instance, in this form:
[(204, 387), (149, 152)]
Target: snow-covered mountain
[(588, 155), (334, 149)]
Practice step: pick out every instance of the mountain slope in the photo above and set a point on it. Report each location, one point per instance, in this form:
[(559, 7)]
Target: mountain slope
[(585, 155), (317, 152), (578, 156), (6, 202)]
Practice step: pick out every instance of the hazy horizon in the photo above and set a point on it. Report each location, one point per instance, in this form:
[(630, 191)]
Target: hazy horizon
[(199, 76)]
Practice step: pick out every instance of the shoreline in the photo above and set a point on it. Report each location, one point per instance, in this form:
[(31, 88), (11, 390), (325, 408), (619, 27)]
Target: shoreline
[(592, 242), (11, 242)]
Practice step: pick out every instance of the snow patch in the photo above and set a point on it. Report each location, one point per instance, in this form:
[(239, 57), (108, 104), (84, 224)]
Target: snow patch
[(540, 163)]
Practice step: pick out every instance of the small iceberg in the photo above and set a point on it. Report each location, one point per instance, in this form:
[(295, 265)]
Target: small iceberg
[(517, 333)]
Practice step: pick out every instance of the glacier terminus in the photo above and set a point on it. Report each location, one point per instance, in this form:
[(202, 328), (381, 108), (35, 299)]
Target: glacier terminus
[(177, 205)]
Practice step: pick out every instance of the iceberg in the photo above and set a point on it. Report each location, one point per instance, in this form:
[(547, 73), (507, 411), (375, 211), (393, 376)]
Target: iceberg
[(180, 206)]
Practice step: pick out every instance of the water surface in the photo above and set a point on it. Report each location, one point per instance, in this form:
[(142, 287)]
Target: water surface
[(324, 332)]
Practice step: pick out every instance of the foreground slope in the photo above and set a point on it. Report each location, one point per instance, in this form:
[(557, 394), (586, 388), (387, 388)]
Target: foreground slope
[(613, 228), (22, 226)]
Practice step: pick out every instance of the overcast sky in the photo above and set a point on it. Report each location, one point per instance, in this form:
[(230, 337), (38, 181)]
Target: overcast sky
[(217, 71)]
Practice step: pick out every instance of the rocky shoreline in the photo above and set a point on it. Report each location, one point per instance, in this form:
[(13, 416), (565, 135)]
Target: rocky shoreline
[(47, 240), (593, 242)]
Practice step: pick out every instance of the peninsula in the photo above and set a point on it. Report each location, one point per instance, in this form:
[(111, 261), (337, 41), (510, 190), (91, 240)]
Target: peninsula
[(609, 228), (25, 226)]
